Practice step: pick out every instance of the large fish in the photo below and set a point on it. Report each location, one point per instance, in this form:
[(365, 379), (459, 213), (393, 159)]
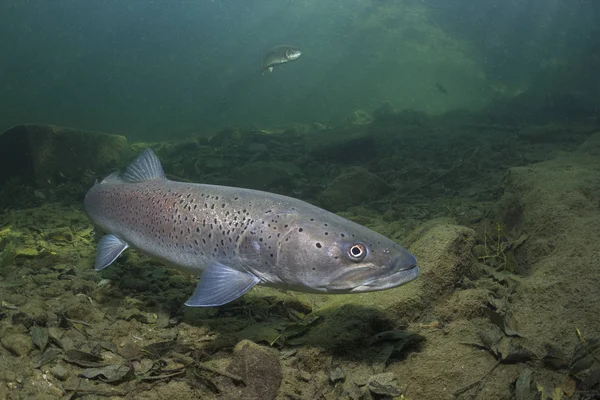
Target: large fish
[(279, 55), (238, 238)]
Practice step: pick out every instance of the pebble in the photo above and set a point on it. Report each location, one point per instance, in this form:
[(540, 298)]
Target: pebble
[(17, 343)]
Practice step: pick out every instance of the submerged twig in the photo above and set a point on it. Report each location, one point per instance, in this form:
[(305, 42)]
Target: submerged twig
[(233, 377), (472, 385)]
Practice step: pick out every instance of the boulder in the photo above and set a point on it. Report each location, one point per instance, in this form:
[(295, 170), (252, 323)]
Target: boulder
[(46, 155)]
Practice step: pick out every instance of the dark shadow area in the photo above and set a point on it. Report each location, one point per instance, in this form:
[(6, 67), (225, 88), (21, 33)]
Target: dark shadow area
[(15, 157)]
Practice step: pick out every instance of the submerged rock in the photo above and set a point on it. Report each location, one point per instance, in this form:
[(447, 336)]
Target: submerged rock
[(18, 344), (384, 385), (353, 187), (259, 369), (358, 117), (46, 155)]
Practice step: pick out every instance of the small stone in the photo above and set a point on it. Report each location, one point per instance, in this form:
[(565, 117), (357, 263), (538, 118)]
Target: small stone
[(304, 376), (103, 282), (358, 117), (337, 375), (60, 372), (63, 234), (26, 252), (143, 366), (55, 333), (17, 343), (141, 316), (260, 370), (130, 351), (384, 385)]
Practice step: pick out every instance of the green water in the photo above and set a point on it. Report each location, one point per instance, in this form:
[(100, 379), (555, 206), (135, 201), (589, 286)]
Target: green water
[(165, 69)]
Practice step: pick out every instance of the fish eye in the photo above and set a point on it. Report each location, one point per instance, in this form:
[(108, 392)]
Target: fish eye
[(357, 252)]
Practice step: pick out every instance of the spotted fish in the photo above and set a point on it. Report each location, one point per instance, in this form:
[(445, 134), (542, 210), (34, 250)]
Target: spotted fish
[(238, 238), (279, 55)]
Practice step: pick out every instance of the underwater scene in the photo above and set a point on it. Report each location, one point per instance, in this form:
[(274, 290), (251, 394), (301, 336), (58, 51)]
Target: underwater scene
[(300, 199)]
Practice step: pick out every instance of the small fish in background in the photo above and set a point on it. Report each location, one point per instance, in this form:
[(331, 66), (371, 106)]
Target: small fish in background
[(441, 88), (237, 238), (279, 55)]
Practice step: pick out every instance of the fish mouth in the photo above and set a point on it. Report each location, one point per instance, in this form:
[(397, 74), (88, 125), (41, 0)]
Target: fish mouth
[(291, 56), (399, 271), (398, 278)]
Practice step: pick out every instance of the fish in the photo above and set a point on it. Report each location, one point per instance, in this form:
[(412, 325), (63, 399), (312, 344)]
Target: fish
[(441, 88), (280, 54), (237, 238)]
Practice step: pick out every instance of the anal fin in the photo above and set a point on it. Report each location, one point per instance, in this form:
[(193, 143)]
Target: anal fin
[(219, 285), (109, 249)]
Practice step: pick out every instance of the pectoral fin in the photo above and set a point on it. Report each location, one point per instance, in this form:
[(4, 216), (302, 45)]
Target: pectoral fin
[(219, 285), (109, 249)]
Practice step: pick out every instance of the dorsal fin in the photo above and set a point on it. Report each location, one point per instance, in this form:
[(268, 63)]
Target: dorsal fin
[(145, 168), (115, 177)]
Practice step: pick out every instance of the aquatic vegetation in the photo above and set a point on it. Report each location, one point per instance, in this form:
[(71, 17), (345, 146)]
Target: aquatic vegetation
[(498, 248)]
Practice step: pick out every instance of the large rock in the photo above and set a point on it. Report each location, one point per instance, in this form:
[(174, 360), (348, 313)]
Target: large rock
[(46, 155)]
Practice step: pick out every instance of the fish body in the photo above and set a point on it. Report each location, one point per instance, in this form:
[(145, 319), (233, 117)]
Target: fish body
[(279, 55), (441, 88), (237, 238)]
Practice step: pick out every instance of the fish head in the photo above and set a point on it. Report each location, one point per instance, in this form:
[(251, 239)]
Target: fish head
[(334, 255), (292, 54)]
